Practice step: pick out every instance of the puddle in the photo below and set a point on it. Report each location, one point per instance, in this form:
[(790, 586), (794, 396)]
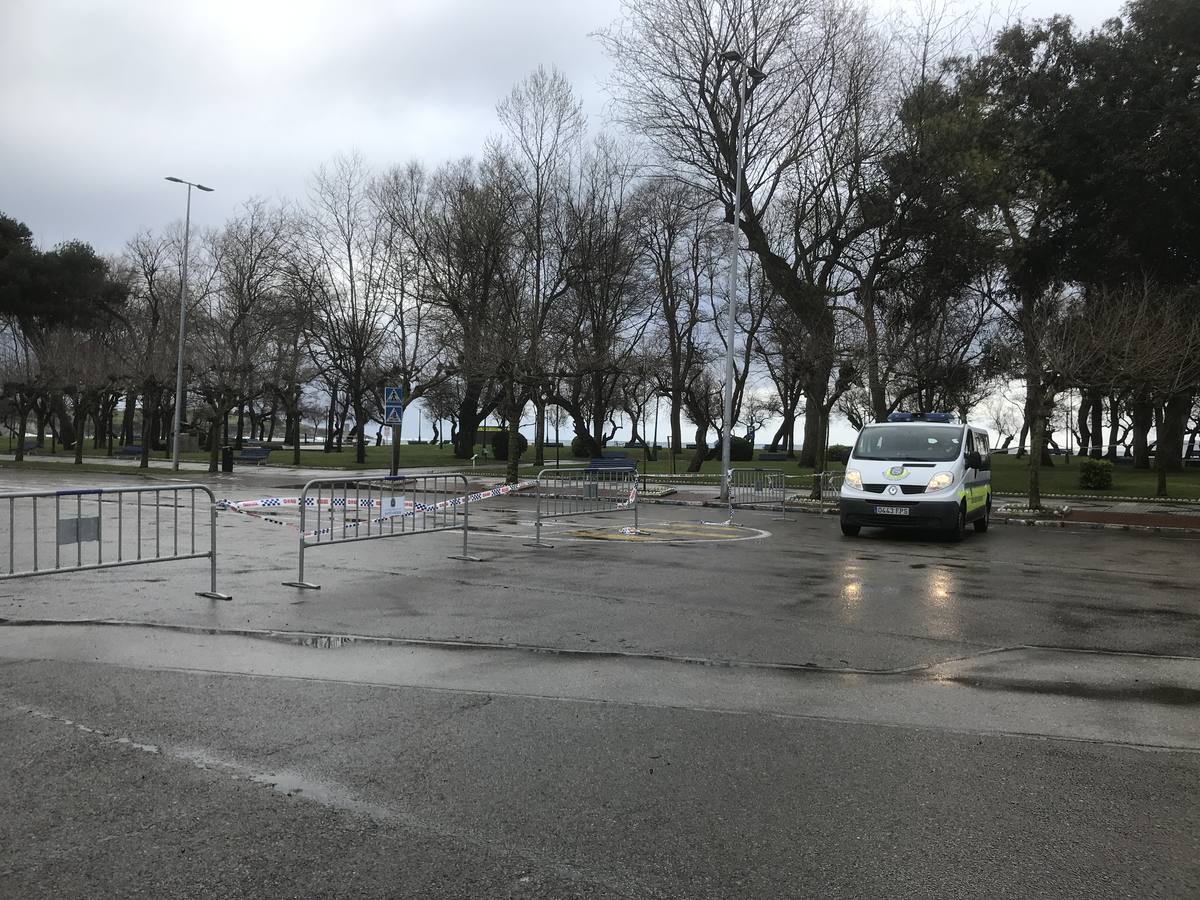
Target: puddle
[(1160, 694)]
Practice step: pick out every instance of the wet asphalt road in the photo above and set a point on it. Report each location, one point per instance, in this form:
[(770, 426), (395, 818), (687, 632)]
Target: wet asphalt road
[(583, 752)]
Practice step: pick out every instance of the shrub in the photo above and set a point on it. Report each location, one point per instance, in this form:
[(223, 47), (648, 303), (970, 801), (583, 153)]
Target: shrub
[(838, 453), (1095, 474), (740, 449), (579, 448), (500, 444)]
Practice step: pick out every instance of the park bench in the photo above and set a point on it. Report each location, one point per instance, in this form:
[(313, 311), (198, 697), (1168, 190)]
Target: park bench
[(772, 457), (129, 451), (256, 455), (612, 463)]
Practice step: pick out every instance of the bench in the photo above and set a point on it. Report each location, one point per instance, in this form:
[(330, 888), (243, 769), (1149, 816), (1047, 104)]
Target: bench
[(256, 455), (130, 451), (772, 457), (611, 463)]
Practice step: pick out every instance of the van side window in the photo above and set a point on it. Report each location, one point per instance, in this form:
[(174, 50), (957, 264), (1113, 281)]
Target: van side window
[(981, 444), (970, 444)]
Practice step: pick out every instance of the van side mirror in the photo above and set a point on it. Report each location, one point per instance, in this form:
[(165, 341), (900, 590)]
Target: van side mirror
[(974, 460)]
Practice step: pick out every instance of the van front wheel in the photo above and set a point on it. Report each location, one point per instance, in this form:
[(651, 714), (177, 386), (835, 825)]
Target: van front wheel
[(981, 524), (959, 531), (850, 530)]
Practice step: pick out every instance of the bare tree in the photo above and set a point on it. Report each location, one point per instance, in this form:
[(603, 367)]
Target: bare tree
[(544, 120), (351, 239), (609, 306)]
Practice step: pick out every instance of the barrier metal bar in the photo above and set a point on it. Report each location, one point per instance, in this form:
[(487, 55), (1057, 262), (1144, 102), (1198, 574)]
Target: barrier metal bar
[(373, 507), (83, 522), (828, 485), (757, 487), (563, 493)]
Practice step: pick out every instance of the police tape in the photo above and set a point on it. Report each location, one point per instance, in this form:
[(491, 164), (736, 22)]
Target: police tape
[(249, 507)]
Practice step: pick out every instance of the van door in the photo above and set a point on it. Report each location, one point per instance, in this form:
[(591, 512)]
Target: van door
[(973, 478)]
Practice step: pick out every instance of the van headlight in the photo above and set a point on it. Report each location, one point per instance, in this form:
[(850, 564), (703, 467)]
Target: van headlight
[(939, 481), (854, 479)]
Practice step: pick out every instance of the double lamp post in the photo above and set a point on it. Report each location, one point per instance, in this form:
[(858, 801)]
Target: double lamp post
[(187, 222), (753, 75)]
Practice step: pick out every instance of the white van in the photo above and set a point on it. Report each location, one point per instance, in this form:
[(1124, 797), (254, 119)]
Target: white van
[(918, 470)]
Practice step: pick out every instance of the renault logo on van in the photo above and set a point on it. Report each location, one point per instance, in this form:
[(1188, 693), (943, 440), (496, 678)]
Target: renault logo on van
[(895, 473)]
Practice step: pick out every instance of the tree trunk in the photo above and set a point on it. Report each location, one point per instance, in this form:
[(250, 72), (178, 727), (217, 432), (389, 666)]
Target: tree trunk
[(539, 434), (67, 432), (875, 386), (127, 419), (468, 421), (514, 456), (1173, 430), (814, 426), (1035, 421), (701, 453), (1114, 422), (149, 423), (214, 444), (77, 427), (676, 420), (1082, 418), (1141, 411), (241, 426), (360, 443)]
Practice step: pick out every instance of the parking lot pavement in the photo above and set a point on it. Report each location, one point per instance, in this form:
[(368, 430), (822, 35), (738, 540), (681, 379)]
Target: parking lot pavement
[(767, 711), (784, 592)]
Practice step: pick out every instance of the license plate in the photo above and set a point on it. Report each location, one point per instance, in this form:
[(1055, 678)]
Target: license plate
[(892, 510)]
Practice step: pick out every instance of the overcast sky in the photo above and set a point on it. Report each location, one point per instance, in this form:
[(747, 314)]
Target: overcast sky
[(99, 99)]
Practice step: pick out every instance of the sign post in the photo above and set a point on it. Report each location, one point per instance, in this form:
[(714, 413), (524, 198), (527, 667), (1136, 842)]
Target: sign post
[(393, 414)]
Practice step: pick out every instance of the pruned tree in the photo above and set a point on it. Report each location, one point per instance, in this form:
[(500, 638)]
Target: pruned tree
[(350, 237)]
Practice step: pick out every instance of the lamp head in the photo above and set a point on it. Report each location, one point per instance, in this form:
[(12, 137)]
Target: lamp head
[(201, 187), (731, 56), (176, 180)]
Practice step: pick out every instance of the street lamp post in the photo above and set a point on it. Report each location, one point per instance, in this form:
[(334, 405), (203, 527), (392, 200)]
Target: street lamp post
[(749, 72), (187, 222)]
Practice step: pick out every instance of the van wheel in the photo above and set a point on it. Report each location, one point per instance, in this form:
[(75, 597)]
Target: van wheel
[(850, 530), (959, 531), (981, 524)]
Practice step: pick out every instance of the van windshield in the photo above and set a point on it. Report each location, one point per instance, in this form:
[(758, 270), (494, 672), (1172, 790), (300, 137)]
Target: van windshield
[(909, 443)]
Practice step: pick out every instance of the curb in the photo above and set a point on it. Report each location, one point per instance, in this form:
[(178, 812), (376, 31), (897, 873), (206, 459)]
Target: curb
[(998, 520), (1096, 526)]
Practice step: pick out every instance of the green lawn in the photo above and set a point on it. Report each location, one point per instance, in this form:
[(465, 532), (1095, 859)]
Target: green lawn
[(1009, 474)]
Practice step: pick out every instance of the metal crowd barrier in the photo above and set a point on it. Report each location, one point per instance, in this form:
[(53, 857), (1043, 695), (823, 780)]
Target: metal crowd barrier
[(828, 485), (754, 487), (48, 530), (564, 493), (371, 507)]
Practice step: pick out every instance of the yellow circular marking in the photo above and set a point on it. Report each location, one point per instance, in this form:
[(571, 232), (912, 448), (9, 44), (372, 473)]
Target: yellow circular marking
[(670, 533)]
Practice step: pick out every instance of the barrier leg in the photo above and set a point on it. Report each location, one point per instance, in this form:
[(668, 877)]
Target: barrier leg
[(212, 593), (465, 556), (300, 582), (537, 523)]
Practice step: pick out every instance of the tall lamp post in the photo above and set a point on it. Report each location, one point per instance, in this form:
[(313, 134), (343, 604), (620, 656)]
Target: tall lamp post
[(749, 73), (187, 222)]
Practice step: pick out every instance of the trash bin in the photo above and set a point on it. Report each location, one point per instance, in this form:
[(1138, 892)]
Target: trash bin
[(226, 459)]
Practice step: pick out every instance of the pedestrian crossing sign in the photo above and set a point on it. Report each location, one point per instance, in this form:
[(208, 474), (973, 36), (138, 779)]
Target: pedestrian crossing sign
[(393, 396)]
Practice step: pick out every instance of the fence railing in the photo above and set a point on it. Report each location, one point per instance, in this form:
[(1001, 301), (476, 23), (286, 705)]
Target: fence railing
[(828, 485), (565, 493), (372, 507), (51, 532), (757, 487)]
